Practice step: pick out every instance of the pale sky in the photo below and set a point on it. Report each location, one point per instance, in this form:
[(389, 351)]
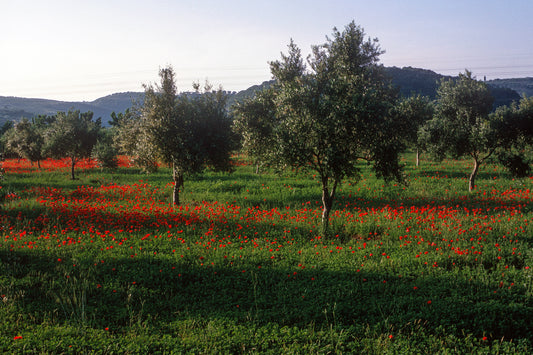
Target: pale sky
[(75, 50)]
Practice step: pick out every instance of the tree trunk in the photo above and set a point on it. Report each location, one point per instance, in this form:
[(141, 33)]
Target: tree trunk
[(327, 203), (39, 164), (473, 175), (177, 176), (257, 167), (72, 164), (417, 157)]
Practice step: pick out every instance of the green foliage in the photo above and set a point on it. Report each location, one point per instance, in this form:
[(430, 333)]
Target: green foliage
[(518, 164), (117, 119), (6, 127)]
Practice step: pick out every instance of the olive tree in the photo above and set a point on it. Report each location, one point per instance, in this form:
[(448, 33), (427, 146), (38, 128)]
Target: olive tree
[(462, 125), (26, 140), (335, 110), (72, 135), (413, 113), (188, 132)]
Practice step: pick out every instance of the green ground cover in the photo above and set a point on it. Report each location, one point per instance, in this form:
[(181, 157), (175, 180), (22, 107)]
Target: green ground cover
[(103, 264)]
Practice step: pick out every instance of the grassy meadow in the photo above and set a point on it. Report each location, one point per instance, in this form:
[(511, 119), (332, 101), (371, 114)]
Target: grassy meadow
[(104, 264)]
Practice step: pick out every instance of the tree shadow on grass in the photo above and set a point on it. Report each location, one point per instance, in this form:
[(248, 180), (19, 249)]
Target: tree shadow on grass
[(120, 291)]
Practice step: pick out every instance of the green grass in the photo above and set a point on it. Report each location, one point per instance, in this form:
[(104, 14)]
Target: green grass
[(104, 264)]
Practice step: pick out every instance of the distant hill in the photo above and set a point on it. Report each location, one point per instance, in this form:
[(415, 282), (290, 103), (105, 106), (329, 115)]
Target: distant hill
[(523, 86), (250, 92), (415, 81), (408, 80), (14, 108)]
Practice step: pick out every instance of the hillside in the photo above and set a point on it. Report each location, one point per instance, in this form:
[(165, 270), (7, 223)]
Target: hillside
[(14, 108), (408, 80), (523, 86), (415, 81)]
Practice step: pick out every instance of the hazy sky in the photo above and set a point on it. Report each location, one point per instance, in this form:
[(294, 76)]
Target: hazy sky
[(81, 50)]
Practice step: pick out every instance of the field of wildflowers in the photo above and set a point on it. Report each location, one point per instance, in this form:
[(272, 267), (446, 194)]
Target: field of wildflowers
[(105, 264)]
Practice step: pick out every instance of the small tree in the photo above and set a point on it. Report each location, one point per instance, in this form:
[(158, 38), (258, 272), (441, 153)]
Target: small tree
[(413, 112), (72, 135), (462, 125), (26, 140), (255, 121), (339, 111), (189, 132)]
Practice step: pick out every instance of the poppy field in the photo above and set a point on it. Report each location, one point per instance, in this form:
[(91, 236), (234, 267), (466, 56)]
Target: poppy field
[(105, 264)]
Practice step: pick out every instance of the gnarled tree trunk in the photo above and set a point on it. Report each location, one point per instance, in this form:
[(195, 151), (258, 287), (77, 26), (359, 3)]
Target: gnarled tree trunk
[(72, 164), (473, 175), (327, 203)]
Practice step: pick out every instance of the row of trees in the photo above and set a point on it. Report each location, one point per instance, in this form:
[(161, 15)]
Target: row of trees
[(324, 114), (340, 109), (188, 132)]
